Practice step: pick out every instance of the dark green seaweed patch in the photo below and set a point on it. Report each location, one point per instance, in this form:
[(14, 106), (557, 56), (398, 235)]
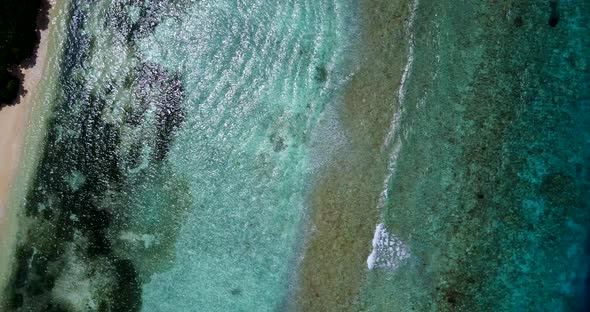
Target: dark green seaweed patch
[(94, 237), (127, 294), (321, 73), (19, 39)]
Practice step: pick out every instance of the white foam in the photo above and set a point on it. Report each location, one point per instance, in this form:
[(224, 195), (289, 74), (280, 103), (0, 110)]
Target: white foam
[(389, 252), (396, 119)]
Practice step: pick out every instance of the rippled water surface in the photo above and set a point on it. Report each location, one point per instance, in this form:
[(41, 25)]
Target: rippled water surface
[(330, 155), (180, 149)]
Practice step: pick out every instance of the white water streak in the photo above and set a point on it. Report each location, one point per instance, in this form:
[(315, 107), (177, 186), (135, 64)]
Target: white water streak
[(382, 239), (401, 92)]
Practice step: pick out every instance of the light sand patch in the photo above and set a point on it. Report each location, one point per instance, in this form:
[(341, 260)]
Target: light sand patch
[(14, 121)]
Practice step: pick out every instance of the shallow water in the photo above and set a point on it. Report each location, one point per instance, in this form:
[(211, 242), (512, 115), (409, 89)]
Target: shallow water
[(179, 153), (312, 155)]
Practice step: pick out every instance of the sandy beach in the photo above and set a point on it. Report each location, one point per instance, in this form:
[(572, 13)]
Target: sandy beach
[(14, 121)]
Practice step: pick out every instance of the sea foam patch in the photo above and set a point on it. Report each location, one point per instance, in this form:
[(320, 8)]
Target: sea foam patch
[(389, 252)]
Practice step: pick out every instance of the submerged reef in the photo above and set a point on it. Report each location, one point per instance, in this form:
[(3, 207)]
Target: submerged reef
[(491, 187), (488, 188)]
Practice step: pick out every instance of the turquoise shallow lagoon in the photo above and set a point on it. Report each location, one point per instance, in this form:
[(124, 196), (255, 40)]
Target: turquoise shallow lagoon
[(312, 156)]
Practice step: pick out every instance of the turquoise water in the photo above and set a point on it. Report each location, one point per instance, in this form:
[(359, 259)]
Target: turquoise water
[(179, 153), (193, 147), (259, 75)]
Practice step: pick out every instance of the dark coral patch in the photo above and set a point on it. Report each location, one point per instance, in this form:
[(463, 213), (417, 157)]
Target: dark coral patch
[(321, 73), (162, 89)]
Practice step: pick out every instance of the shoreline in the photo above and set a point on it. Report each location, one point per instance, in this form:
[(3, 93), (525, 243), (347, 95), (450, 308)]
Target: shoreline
[(15, 122)]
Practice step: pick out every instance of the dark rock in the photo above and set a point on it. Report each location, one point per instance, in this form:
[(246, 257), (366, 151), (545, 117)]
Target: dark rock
[(19, 41), (554, 17)]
